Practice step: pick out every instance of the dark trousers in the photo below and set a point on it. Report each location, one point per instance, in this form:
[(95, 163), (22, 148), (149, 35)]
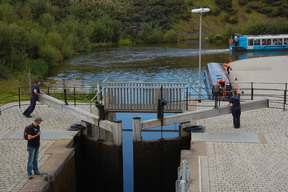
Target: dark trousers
[(228, 70), (236, 117), (216, 97), (31, 108)]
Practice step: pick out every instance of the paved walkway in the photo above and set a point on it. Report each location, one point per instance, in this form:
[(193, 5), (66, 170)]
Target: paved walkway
[(13, 158), (226, 164)]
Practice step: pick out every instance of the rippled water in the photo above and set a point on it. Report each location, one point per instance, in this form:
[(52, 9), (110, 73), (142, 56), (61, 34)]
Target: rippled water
[(161, 63)]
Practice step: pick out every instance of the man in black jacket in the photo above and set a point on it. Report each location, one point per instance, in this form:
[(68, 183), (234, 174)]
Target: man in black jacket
[(34, 97)]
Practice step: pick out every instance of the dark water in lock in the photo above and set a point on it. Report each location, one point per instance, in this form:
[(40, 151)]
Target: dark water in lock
[(173, 62)]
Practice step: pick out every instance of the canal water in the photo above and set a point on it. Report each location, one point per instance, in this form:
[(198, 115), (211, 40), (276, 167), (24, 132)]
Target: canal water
[(174, 62)]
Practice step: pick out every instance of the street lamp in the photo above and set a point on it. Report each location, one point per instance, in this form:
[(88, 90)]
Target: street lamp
[(200, 10)]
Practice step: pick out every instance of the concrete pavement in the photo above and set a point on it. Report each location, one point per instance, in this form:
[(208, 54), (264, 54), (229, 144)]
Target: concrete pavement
[(14, 156), (231, 165)]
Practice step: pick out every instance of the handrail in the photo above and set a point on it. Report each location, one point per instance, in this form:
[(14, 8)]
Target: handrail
[(183, 182)]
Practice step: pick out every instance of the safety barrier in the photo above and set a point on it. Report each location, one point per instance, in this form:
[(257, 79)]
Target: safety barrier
[(183, 182)]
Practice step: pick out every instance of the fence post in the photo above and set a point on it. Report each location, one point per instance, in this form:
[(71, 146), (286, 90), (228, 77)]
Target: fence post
[(74, 94), (136, 128), (187, 98), (19, 98), (285, 95), (48, 90), (65, 97), (252, 91)]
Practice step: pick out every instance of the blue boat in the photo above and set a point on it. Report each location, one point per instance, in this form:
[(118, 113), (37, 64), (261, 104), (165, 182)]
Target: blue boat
[(258, 42)]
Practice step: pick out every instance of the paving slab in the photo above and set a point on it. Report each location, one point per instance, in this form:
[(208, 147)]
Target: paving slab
[(226, 137)]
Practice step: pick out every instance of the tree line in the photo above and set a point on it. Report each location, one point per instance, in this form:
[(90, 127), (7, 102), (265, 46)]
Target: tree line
[(38, 34)]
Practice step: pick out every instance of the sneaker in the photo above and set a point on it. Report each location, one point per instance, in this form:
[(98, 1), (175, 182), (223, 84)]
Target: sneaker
[(28, 116), (30, 177), (37, 173)]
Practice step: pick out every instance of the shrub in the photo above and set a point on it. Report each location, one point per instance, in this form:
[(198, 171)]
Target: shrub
[(170, 36), (50, 54), (243, 2), (7, 13), (125, 41)]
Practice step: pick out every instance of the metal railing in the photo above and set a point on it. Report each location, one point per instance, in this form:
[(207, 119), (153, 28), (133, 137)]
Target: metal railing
[(183, 182), (17, 96), (275, 92)]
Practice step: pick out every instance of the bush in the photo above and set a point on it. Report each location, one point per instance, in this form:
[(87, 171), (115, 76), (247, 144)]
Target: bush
[(51, 55), (224, 4), (7, 13), (243, 2), (170, 36), (215, 11), (125, 41)]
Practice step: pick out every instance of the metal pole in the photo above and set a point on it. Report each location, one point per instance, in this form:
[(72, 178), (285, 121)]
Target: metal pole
[(285, 95), (252, 91), (200, 43), (74, 92), (65, 97), (19, 98)]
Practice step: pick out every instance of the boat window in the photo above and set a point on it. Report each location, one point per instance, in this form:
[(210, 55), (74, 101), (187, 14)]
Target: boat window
[(250, 42), (279, 41), (264, 41), (256, 41), (269, 42), (274, 41), (285, 41)]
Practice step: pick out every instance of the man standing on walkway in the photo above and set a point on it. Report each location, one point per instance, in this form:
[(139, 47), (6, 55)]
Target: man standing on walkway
[(216, 92), (34, 97), (236, 109), (33, 147)]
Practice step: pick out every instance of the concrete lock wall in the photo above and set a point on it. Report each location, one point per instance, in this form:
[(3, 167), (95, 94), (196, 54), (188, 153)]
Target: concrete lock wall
[(156, 163), (60, 167), (99, 166)]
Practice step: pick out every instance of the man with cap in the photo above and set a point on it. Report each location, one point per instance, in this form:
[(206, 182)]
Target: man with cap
[(33, 145)]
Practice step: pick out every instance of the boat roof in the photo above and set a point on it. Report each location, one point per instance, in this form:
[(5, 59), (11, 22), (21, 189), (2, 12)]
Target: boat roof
[(267, 36)]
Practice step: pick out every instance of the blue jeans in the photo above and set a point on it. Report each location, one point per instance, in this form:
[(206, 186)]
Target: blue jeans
[(32, 160)]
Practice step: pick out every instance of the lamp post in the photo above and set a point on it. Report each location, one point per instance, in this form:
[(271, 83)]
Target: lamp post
[(200, 11)]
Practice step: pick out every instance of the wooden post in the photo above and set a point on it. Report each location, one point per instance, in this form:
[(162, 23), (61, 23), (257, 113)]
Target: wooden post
[(117, 132), (137, 129)]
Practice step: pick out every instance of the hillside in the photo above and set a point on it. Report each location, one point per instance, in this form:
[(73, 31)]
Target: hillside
[(241, 16), (36, 35)]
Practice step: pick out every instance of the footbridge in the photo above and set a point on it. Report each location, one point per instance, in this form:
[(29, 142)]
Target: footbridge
[(142, 97)]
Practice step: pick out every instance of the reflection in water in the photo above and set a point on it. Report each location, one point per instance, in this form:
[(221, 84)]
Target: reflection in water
[(138, 64)]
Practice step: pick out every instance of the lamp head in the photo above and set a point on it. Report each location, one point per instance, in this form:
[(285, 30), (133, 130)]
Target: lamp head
[(200, 10)]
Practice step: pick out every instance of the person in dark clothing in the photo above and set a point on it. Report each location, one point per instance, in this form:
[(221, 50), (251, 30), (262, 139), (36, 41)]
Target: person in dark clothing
[(33, 147), (216, 92), (236, 108), (34, 97)]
